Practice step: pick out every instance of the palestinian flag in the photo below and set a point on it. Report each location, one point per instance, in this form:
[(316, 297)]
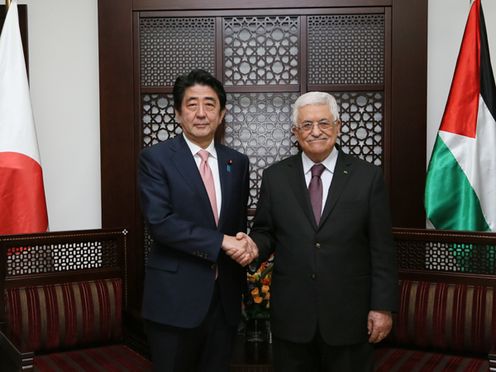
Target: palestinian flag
[(460, 190)]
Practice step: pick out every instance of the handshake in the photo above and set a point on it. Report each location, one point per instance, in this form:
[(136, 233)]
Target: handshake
[(241, 248)]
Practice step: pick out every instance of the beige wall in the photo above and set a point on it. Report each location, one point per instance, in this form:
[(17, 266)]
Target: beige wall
[(63, 53)]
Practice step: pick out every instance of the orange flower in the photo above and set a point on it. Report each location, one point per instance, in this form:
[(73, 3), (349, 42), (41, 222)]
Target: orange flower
[(257, 303)]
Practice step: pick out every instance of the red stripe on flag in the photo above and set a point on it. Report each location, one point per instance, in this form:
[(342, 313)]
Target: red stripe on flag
[(22, 197), (460, 115)]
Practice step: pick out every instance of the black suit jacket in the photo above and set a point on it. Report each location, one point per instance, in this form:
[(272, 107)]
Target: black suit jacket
[(186, 250), (327, 276)]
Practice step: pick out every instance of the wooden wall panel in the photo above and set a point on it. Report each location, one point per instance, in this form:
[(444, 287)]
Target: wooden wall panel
[(408, 112), (118, 158)]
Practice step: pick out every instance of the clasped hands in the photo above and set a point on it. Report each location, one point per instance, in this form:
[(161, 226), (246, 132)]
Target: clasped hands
[(241, 248)]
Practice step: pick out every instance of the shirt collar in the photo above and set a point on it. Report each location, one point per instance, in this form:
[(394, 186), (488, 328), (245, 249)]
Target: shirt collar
[(194, 148), (329, 163)]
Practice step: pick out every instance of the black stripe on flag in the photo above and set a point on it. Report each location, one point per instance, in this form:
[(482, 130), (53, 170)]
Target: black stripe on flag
[(488, 88)]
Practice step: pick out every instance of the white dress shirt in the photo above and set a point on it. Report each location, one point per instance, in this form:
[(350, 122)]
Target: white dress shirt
[(213, 164), (329, 163)]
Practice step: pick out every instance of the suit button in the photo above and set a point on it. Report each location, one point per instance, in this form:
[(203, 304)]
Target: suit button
[(317, 245), (313, 276), (212, 266)]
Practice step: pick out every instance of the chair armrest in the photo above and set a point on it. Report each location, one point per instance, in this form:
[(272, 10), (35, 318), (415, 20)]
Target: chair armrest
[(492, 359), (12, 359)]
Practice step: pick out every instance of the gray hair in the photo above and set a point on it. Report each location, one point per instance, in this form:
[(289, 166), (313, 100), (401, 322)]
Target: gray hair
[(315, 98)]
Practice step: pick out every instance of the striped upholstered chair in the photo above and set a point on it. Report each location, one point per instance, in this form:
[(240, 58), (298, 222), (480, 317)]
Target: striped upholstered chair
[(72, 326), (445, 324), (447, 315), (63, 303)]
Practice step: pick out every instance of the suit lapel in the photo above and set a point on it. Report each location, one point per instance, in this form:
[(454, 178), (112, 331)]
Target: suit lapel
[(225, 176), (187, 168), (342, 173), (295, 169)]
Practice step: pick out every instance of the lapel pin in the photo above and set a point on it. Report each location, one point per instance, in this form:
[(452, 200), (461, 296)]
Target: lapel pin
[(229, 163), (345, 172)]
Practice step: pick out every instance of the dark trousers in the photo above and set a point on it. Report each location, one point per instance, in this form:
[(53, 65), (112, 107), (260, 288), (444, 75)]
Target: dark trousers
[(317, 356), (206, 348)]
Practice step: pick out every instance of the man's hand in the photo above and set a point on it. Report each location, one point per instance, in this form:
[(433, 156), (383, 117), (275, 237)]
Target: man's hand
[(239, 248), (252, 247), (379, 325)]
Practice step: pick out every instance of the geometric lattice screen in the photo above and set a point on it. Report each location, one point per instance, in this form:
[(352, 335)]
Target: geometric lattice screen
[(47, 258), (349, 46), (158, 118), (446, 256), (170, 47), (260, 59), (259, 125), (261, 50), (362, 131)]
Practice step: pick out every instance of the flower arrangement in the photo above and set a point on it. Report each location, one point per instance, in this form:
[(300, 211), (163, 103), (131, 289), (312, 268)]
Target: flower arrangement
[(257, 300)]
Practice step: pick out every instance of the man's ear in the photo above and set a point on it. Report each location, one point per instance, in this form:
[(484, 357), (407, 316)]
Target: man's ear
[(338, 128)]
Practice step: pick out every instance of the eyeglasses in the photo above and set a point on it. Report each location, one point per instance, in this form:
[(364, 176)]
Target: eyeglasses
[(323, 125)]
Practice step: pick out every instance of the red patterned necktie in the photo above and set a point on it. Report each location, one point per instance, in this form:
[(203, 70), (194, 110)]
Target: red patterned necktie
[(208, 181), (315, 189)]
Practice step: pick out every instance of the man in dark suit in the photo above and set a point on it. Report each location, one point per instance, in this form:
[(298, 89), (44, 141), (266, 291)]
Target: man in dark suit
[(325, 214), (194, 195)]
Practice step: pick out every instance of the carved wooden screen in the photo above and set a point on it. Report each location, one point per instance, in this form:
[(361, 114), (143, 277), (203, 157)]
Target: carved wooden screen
[(422, 250), (266, 60), (68, 251)]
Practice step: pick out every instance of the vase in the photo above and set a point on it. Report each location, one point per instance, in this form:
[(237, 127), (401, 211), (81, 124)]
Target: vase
[(258, 339), (256, 330)]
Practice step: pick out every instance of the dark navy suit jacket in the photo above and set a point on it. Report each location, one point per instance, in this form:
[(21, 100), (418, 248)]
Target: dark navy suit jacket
[(186, 251)]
